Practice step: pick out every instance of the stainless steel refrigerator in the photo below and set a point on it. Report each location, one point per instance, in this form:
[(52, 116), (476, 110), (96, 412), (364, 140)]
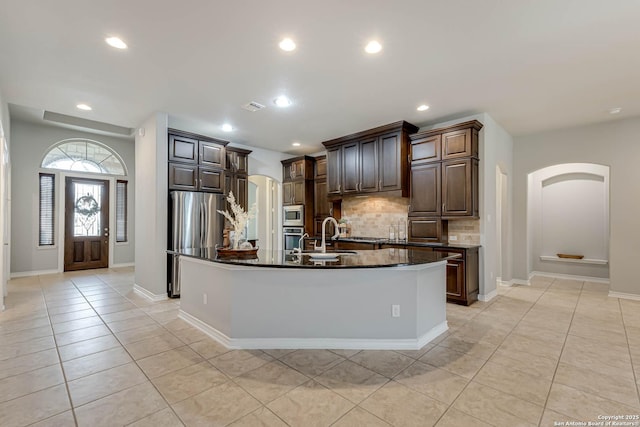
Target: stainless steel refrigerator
[(195, 223)]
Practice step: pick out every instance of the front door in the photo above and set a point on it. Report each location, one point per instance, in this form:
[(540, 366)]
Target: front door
[(86, 243)]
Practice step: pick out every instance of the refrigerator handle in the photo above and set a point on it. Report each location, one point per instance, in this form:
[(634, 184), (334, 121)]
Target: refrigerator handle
[(203, 223)]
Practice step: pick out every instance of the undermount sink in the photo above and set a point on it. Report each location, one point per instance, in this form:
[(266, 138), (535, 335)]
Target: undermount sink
[(334, 253)]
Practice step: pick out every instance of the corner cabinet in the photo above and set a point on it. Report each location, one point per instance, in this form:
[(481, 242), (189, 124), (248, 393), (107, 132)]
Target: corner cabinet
[(444, 172), (298, 186), (371, 161), (236, 174), (196, 162)]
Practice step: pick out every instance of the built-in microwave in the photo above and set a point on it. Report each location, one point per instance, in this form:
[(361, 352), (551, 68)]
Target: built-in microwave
[(293, 216)]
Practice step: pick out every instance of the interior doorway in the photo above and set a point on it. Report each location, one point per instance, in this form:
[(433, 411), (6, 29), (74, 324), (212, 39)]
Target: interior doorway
[(86, 243), (502, 219), (263, 190)]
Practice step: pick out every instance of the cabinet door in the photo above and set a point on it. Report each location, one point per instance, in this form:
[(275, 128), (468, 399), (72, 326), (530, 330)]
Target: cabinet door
[(242, 163), (350, 168), (368, 165), (426, 149), (242, 190), (211, 180), (321, 167), (211, 154), (424, 230), (322, 207), (334, 170), (183, 177), (184, 150), (456, 144), (459, 190), (455, 279), (298, 169), (425, 196), (287, 193), (354, 246), (298, 192), (391, 161)]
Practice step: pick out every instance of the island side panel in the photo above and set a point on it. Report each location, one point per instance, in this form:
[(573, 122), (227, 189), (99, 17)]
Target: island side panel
[(310, 303), (432, 299), (199, 278)]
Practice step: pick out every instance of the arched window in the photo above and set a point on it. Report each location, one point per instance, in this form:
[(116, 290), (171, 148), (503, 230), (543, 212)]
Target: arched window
[(83, 155)]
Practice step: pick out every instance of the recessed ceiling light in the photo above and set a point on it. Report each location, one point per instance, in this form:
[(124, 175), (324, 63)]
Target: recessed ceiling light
[(282, 101), (296, 144), (373, 47), (287, 45), (227, 127), (615, 110), (116, 42), (84, 107), (423, 107)]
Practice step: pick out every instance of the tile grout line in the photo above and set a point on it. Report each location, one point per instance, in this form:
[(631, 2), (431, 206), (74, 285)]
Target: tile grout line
[(546, 402), (55, 341), (633, 371), (489, 358), (131, 356)]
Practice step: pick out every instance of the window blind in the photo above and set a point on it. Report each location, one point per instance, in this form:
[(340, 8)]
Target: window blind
[(121, 211), (47, 205)]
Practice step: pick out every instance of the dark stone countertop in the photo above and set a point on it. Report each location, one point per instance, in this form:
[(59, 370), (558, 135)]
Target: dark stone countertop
[(383, 241), (391, 257)]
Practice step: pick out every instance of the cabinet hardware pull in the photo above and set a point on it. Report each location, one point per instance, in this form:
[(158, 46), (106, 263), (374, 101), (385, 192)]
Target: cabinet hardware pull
[(339, 188), (380, 184), (443, 207)]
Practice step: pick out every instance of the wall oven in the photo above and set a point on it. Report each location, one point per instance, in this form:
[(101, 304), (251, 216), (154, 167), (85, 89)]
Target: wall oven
[(291, 237), (293, 216)]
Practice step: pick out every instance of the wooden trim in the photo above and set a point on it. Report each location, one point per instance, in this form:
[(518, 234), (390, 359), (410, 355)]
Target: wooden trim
[(474, 124), (239, 150), (391, 127), (186, 134)]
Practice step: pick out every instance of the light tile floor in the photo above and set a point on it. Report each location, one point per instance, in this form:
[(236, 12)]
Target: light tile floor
[(85, 349)]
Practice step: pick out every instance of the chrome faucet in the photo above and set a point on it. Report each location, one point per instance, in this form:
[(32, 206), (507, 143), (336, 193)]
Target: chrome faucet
[(300, 248), (323, 246)]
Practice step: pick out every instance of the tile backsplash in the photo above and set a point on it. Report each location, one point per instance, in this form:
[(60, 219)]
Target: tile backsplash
[(371, 216), (467, 231)]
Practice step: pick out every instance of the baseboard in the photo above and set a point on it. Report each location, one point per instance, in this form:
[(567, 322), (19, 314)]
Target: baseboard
[(314, 343), (33, 273), (622, 295), (504, 283), (520, 282), (488, 297), (123, 264), (145, 293), (569, 277)]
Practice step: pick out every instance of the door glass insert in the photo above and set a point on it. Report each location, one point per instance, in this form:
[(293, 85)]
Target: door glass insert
[(86, 218)]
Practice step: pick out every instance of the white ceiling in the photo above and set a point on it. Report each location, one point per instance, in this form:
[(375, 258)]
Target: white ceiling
[(532, 65)]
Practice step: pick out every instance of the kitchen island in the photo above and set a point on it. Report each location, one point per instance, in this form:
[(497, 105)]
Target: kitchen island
[(370, 299)]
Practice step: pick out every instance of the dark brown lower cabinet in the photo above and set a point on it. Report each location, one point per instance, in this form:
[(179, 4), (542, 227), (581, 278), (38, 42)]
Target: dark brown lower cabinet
[(354, 246), (462, 275)]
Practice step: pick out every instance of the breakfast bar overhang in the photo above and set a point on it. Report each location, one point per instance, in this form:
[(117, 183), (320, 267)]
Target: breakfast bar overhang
[(376, 299)]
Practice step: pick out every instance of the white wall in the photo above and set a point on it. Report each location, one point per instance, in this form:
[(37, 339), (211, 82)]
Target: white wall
[(151, 205), (5, 200), (614, 144), (30, 143), (495, 150)]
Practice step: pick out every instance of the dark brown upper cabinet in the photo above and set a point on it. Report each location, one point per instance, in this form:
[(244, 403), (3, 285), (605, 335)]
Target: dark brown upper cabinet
[(320, 167), (444, 172), (196, 162), (425, 199), (375, 160), (297, 168), (237, 160)]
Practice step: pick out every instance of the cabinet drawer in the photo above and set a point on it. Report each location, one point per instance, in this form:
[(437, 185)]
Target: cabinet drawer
[(427, 230)]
